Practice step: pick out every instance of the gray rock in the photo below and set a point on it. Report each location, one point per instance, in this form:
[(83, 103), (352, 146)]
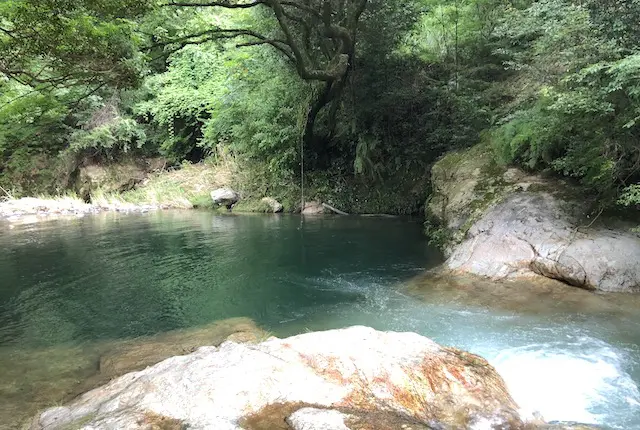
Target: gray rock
[(533, 233), (505, 223), (355, 369), (225, 197), (276, 206), (317, 419)]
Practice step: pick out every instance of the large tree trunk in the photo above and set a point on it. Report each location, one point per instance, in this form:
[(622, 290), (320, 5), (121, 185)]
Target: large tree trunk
[(321, 100)]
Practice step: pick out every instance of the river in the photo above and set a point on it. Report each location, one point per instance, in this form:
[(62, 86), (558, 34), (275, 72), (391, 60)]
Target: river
[(67, 284)]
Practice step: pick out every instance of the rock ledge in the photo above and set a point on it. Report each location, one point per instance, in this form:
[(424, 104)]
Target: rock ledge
[(506, 224), (337, 376)]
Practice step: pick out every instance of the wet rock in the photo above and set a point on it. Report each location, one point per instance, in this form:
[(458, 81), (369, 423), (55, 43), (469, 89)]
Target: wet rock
[(42, 207), (274, 205), (313, 208), (33, 379), (225, 197), (30, 210), (136, 354), (353, 371), (507, 224)]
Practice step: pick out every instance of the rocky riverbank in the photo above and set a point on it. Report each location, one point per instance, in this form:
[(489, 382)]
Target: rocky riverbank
[(35, 378), (506, 224), (353, 378), (31, 209), (307, 381)]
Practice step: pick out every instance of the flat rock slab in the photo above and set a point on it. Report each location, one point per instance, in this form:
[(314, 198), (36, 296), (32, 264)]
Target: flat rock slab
[(354, 371)]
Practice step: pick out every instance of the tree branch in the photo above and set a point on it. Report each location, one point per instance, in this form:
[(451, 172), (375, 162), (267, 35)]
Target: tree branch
[(302, 7), (278, 44), (8, 33), (225, 4), (301, 61)]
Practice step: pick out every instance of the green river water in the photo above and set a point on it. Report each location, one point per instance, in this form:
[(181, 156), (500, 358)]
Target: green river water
[(67, 285)]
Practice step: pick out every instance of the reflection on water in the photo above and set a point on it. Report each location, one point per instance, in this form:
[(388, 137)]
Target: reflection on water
[(68, 286)]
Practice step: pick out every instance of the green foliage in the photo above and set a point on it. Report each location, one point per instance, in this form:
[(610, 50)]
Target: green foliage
[(269, 130), (116, 137), (48, 44), (584, 122), (449, 31), (630, 196), (556, 82), (437, 235)]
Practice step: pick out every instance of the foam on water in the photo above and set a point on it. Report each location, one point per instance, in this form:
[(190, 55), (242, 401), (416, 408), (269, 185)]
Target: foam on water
[(562, 368), (567, 386)]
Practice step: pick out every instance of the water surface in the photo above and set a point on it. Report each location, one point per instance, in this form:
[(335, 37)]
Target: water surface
[(67, 285)]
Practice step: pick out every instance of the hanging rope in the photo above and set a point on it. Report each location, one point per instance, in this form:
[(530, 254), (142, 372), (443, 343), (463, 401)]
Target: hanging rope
[(301, 174), (302, 125)]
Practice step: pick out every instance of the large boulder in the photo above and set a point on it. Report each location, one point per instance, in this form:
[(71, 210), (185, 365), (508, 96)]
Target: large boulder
[(330, 378), (272, 204), (36, 378), (225, 197), (508, 224)]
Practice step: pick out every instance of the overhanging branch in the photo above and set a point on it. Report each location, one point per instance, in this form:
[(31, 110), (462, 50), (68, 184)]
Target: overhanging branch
[(225, 4), (228, 33), (278, 44)]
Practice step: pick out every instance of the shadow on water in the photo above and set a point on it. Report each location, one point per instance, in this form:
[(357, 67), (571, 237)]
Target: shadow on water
[(73, 290)]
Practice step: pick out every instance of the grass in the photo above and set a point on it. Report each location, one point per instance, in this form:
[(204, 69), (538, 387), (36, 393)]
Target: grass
[(190, 185), (184, 188)]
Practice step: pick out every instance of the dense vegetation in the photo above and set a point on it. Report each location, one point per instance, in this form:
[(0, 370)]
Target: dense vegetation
[(365, 94)]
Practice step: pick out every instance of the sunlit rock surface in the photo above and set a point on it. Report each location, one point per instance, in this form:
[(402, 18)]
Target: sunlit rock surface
[(66, 371), (274, 205), (354, 372), (507, 224), (224, 197)]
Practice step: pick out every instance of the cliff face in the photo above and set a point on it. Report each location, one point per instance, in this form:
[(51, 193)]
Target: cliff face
[(505, 223)]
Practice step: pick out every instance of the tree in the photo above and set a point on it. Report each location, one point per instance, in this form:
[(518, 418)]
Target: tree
[(53, 44), (318, 38)]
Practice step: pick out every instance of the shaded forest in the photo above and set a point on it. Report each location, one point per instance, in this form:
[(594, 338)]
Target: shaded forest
[(359, 97)]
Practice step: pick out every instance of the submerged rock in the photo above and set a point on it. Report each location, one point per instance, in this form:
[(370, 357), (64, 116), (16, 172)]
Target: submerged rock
[(507, 224), (344, 375), (35, 378), (274, 205), (225, 197)]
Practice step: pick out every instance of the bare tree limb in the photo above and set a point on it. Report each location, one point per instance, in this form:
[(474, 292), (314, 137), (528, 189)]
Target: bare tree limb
[(225, 4)]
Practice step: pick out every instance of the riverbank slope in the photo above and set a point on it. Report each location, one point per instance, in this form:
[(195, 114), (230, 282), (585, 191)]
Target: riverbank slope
[(505, 223)]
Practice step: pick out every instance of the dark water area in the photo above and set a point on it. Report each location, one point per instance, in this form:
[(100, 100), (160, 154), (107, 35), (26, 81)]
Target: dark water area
[(68, 285), (126, 276)]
